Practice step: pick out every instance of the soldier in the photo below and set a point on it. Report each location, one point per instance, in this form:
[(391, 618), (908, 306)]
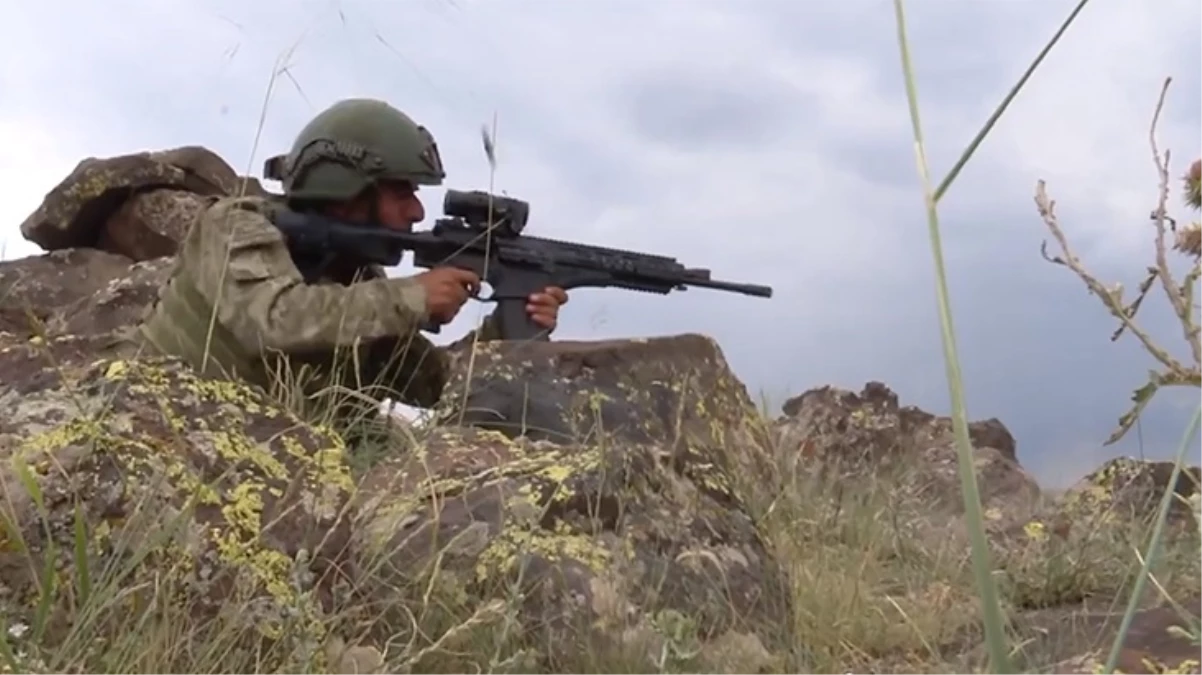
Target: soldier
[(236, 302)]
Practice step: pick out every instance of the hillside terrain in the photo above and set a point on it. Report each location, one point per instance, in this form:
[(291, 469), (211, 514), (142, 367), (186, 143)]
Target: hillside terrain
[(574, 506)]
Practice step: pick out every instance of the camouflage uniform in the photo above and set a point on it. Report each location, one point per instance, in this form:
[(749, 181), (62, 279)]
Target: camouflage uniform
[(236, 302)]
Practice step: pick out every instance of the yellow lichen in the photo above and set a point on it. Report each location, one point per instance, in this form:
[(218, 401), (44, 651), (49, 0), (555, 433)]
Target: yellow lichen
[(235, 447), (76, 431), (502, 553), (1036, 530), (1150, 665), (270, 568), (245, 506)]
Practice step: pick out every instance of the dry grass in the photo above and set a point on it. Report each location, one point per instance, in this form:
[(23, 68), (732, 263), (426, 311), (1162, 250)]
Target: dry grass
[(879, 583)]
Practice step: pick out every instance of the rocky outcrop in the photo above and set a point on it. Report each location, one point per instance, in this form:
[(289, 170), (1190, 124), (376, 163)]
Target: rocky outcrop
[(607, 542), (848, 432), (137, 205), (126, 459), (77, 291), (1127, 488), (570, 496)]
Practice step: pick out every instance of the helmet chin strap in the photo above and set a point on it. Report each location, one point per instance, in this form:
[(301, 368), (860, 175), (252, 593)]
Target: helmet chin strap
[(373, 204)]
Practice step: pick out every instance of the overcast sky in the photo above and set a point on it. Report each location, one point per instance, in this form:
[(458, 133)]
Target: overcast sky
[(767, 140)]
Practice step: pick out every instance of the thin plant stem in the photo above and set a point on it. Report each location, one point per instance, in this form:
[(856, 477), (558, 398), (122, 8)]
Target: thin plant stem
[(1153, 551), (995, 636), (997, 112)]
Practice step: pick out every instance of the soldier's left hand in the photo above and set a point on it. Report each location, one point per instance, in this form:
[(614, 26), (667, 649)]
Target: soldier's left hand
[(543, 307)]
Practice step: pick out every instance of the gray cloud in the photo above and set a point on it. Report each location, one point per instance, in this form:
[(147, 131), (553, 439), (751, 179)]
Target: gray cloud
[(768, 141), (695, 111)]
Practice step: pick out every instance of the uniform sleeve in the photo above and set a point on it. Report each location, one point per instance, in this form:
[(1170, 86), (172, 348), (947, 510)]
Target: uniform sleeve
[(246, 272)]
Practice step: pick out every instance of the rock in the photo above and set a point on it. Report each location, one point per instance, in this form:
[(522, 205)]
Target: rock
[(204, 479), (1078, 640), (149, 225), (1127, 488), (77, 291), (830, 427), (348, 660), (608, 541), (53, 284), (673, 390), (136, 205)]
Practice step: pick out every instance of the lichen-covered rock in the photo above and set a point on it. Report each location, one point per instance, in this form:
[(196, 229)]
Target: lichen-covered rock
[(1127, 488), (150, 224), (136, 205), (609, 542), (53, 284), (219, 494), (830, 427), (77, 292), (677, 391)]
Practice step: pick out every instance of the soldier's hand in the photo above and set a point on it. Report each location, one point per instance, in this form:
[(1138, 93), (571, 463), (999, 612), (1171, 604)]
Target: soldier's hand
[(543, 308), (447, 288)]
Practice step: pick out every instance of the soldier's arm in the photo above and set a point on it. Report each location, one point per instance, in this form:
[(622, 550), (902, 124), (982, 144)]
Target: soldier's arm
[(248, 276)]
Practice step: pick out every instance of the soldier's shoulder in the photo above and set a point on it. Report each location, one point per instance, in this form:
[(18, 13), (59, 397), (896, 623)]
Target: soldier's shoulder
[(243, 216)]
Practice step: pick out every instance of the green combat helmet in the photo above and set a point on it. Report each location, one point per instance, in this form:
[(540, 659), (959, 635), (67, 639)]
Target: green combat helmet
[(350, 146)]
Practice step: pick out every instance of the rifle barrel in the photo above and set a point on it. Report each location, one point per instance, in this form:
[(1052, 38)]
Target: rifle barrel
[(746, 289)]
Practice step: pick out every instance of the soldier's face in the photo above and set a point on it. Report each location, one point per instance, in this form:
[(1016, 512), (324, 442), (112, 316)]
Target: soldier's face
[(399, 207)]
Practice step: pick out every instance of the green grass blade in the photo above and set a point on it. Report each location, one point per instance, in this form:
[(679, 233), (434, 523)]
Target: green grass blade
[(1141, 580), (997, 113), (995, 636), (82, 562), (7, 657), (49, 591)]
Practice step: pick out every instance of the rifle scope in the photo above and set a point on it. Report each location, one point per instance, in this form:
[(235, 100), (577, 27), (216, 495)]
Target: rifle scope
[(509, 214)]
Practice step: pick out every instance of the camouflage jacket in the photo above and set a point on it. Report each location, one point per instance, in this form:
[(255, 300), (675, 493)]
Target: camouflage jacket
[(237, 306)]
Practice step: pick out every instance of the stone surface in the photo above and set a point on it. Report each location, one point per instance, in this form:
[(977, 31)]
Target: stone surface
[(830, 427), (154, 463), (77, 291), (606, 541), (106, 203)]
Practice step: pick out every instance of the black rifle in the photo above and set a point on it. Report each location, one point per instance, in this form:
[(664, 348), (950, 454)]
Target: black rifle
[(514, 265)]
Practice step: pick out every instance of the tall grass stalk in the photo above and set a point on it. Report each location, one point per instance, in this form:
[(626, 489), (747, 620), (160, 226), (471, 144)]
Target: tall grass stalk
[(1153, 551), (982, 566), (995, 636), (1001, 108)]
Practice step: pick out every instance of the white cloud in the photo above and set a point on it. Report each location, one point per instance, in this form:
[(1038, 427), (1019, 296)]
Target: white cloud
[(768, 141)]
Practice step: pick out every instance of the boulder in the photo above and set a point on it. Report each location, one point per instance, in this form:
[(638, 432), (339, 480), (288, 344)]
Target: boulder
[(77, 291), (635, 547), (204, 489), (137, 205), (845, 432), (1129, 488), (677, 390), (602, 543), (1078, 641)]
